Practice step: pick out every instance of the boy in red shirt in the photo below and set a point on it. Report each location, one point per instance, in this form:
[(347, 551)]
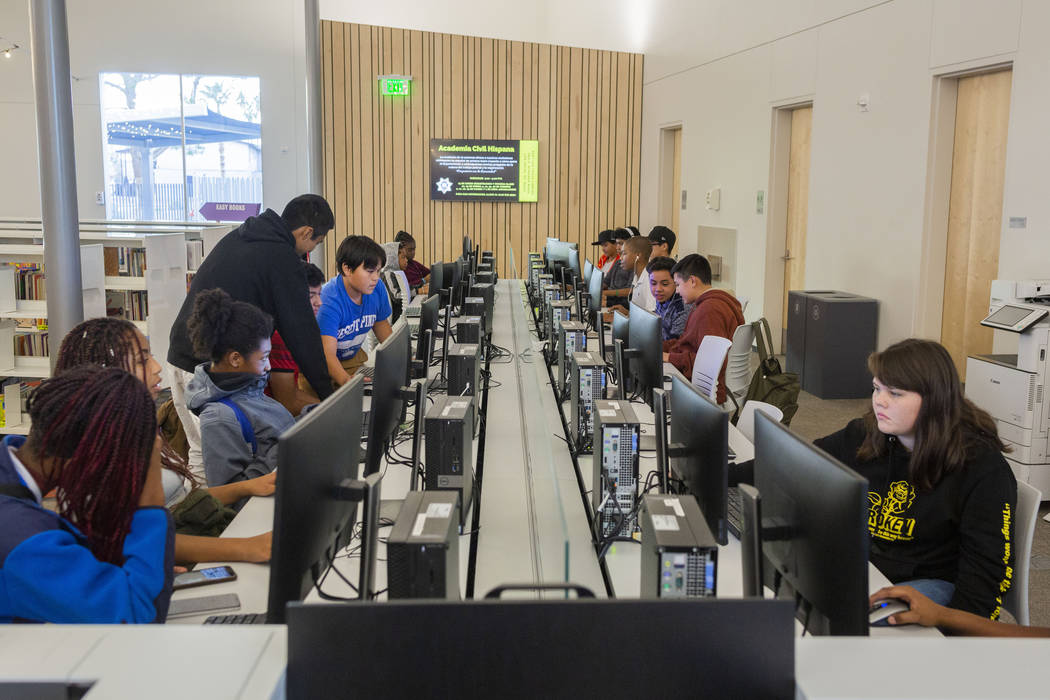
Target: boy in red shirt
[(284, 373), (715, 312)]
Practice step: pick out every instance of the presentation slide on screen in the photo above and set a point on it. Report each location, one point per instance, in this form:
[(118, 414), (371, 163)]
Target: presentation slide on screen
[(469, 170)]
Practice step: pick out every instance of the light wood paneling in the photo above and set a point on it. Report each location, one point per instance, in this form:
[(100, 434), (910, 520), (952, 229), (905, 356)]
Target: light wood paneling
[(798, 202), (584, 107), (975, 210)]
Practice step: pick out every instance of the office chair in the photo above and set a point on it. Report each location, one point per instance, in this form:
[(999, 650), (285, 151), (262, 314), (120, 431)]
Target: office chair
[(746, 422), (738, 368), (708, 363), (1016, 599)]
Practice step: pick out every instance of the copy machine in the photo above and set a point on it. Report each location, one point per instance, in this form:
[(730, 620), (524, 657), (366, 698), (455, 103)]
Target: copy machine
[(1011, 387)]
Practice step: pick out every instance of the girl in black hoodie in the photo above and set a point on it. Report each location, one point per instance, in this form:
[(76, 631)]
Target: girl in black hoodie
[(942, 496)]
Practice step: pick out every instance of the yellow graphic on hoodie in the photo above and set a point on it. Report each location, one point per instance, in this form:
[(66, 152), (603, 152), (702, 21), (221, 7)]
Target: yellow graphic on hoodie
[(884, 519)]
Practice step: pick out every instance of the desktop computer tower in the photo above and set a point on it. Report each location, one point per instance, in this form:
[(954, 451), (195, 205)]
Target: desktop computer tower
[(487, 292), (422, 552), (587, 382), (468, 330), (679, 553), (486, 277), (549, 291), (558, 312), (572, 338), (464, 369), (449, 431), (615, 482)]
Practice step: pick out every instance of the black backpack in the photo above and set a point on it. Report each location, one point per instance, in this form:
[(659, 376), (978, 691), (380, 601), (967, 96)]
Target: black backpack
[(771, 384)]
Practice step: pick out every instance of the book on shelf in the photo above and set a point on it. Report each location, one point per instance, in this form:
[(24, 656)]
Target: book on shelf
[(30, 284), (127, 303), (124, 261), (32, 345)]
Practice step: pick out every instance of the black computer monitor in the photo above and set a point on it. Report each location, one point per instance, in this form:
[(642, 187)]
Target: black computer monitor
[(588, 270), (594, 290), (437, 278), (468, 246), (699, 451), (310, 524), (645, 365), (518, 649), (814, 528), (459, 275), (428, 321), (620, 331), (574, 266), (387, 400)]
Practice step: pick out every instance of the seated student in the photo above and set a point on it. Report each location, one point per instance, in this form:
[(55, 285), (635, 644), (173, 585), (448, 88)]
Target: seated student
[(416, 271), (619, 277), (284, 372), (196, 510), (672, 310), (942, 495), (635, 256), (610, 253), (925, 612), (105, 556), (352, 304), (663, 240), (715, 312), (239, 424)]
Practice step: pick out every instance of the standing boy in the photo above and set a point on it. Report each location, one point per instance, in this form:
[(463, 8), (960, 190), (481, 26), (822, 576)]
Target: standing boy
[(352, 304), (673, 311), (716, 313)]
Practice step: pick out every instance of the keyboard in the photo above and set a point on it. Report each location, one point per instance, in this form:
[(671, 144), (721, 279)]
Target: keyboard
[(733, 511), (237, 619)]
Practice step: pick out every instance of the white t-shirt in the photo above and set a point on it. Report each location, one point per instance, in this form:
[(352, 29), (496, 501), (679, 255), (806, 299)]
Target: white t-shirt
[(641, 293)]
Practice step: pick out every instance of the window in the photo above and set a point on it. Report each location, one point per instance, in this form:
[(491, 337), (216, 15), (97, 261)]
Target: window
[(173, 143)]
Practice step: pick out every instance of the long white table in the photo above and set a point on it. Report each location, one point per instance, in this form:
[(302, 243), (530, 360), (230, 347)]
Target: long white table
[(519, 544)]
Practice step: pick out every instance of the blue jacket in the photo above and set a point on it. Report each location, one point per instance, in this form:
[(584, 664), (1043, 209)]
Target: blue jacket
[(48, 573)]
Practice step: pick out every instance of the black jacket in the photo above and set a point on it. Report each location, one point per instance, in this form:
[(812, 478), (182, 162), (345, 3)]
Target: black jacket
[(257, 263), (961, 531)]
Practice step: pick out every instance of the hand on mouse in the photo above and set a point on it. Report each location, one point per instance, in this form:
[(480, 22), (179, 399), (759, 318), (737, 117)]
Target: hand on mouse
[(923, 610)]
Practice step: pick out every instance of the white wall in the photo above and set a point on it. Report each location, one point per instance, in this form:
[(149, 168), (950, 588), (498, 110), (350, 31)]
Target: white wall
[(263, 38), (868, 169)]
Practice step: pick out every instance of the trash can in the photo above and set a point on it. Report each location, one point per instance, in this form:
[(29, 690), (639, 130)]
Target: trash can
[(840, 331)]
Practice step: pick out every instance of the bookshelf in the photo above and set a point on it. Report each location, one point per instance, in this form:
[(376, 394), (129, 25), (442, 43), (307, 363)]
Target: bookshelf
[(144, 268), (24, 346)]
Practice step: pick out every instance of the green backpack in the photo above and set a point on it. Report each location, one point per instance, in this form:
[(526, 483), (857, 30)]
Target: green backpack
[(771, 384)]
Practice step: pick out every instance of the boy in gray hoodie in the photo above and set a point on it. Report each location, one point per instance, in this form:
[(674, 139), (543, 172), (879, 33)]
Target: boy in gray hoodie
[(239, 424)]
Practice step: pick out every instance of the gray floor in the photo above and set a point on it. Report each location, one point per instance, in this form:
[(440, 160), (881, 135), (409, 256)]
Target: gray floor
[(817, 418)]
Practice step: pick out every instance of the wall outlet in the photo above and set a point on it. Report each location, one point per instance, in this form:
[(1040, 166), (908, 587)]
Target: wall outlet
[(683, 200), (100, 198), (760, 202)]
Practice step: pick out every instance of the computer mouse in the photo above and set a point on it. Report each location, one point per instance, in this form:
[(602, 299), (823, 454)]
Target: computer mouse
[(886, 607)]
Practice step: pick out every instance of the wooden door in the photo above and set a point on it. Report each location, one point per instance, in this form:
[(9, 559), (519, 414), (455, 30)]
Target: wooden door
[(676, 187), (975, 211), (797, 203)]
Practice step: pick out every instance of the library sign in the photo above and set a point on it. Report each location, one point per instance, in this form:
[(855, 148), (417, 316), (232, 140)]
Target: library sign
[(229, 211), (469, 170)]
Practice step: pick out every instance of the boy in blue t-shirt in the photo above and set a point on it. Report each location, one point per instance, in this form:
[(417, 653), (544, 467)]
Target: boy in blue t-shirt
[(352, 304)]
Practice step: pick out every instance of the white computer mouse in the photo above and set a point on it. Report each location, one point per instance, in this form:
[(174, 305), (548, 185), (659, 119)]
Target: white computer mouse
[(886, 607)]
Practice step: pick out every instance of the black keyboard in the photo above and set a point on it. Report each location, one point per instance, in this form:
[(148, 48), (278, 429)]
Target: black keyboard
[(237, 619), (733, 511)]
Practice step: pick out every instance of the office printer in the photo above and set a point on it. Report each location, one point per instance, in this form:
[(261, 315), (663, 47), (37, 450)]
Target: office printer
[(1011, 387)]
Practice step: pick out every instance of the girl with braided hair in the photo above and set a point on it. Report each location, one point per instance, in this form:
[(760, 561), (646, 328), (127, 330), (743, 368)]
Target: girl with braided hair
[(200, 513), (239, 423), (106, 556)]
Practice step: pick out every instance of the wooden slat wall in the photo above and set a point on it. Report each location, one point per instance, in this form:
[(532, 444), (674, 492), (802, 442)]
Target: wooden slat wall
[(584, 106)]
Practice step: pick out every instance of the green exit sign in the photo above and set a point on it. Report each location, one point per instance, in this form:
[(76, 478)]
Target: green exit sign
[(394, 85)]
